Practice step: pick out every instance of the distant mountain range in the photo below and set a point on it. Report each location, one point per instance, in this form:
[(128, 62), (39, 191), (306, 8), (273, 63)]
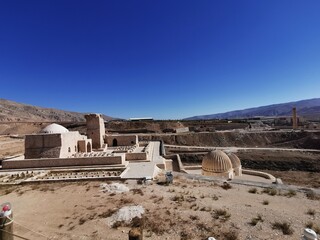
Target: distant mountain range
[(13, 112), (309, 108)]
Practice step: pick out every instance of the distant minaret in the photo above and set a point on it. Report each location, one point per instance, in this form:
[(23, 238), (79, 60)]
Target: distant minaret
[(294, 118)]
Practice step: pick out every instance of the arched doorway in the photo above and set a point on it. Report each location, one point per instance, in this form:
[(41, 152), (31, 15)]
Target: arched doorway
[(114, 142), (89, 148)]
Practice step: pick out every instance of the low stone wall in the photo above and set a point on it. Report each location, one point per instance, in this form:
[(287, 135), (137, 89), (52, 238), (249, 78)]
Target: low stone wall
[(259, 174), (198, 167), (62, 162), (136, 156)]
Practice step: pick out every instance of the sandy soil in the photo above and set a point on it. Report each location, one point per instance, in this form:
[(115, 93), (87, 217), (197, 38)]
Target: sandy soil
[(185, 210), (11, 146)]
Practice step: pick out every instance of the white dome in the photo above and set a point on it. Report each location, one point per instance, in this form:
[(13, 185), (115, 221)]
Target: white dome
[(54, 128)]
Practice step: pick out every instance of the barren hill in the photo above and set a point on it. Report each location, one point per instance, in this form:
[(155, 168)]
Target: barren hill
[(18, 112), (309, 108)]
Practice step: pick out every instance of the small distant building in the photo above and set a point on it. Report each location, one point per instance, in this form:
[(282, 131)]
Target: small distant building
[(141, 119), (313, 126), (182, 130)]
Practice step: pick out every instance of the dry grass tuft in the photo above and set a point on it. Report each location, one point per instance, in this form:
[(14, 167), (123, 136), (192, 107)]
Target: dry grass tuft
[(194, 217), (312, 195), (221, 214), (226, 186), (270, 191), (284, 226), (137, 191), (291, 193), (254, 221), (311, 212), (178, 198), (253, 190)]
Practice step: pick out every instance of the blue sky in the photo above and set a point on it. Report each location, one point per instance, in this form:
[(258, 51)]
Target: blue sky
[(163, 59)]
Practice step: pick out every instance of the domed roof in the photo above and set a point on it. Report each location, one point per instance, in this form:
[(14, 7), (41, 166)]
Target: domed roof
[(235, 161), (54, 128), (216, 162)]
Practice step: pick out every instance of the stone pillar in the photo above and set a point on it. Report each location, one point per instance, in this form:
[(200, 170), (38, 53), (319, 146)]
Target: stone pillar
[(95, 129), (294, 118)]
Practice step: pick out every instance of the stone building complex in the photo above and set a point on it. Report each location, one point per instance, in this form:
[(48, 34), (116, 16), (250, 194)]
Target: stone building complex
[(59, 154), (56, 146)]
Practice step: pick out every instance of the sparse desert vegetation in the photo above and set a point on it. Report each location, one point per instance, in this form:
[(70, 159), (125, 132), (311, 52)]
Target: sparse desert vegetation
[(82, 209)]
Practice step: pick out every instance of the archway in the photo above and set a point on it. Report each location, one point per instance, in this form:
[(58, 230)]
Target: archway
[(89, 148), (115, 142)]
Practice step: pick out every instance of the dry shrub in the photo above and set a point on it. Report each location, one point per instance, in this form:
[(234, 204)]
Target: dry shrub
[(265, 202), (158, 199), (203, 227), (230, 235), (194, 217), (137, 191), (215, 197), (205, 209), (221, 214), (158, 225), (253, 190), (82, 220), (312, 195), (284, 226), (191, 198), (290, 193), (270, 191), (178, 198), (226, 186), (311, 212), (187, 234), (254, 221)]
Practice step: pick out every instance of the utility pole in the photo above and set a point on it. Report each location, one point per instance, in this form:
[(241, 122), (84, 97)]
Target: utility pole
[(6, 222)]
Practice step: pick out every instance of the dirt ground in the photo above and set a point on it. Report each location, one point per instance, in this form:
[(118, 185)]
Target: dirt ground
[(10, 146), (188, 209)]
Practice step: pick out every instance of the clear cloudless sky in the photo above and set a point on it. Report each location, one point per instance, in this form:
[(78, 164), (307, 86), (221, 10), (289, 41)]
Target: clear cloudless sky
[(160, 58)]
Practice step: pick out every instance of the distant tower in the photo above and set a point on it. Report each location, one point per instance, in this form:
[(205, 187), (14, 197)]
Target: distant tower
[(95, 129), (294, 118)]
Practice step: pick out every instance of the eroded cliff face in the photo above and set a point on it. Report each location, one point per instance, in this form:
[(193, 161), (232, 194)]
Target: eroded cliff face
[(307, 140)]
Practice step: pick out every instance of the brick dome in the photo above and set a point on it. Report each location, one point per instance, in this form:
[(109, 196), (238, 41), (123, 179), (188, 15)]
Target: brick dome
[(235, 161), (216, 162)]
